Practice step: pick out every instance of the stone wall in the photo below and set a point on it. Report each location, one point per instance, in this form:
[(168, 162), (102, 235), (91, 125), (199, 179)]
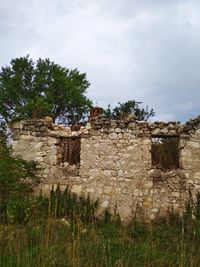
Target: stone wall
[(115, 162)]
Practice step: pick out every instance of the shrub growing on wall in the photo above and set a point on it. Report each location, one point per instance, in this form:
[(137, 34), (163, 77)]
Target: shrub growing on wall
[(129, 107)]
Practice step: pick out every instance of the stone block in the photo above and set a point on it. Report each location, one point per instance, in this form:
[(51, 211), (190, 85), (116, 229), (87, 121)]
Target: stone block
[(16, 134), (107, 173), (155, 131), (43, 129), (147, 203), (113, 136), (94, 172), (197, 175), (176, 194), (77, 189), (194, 144), (39, 124), (136, 192), (155, 173), (118, 130), (164, 131), (108, 190)]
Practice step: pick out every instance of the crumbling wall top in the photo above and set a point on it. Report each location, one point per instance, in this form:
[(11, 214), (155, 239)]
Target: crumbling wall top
[(46, 127)]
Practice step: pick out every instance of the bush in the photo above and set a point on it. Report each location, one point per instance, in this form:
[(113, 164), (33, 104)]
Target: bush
[(13, 173), (18, 209), (14, 188), (67, 204)]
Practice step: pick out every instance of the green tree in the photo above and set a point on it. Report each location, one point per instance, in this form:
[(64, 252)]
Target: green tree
[(31, 89), (129, 107)]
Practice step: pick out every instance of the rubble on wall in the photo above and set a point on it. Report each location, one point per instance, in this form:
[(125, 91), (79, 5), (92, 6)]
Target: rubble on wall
[(144, 128), (45, 127)]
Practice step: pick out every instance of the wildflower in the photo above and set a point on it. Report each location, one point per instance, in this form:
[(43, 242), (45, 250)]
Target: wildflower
[(63, 220)]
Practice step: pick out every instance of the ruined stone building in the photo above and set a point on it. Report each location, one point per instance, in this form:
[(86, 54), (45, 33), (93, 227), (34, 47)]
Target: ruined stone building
[(134, 168)]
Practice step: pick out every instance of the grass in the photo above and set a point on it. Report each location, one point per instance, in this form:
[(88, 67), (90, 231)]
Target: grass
[(62, 231)]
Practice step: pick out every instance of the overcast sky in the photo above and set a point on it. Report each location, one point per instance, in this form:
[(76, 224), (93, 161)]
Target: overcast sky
[(147, 50)]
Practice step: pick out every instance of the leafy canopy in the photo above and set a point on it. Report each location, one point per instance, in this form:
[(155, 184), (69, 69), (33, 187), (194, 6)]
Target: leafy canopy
[(36, 89), (129, 107)]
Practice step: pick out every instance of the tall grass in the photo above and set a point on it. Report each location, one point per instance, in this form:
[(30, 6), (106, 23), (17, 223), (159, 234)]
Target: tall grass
[(61, 230)]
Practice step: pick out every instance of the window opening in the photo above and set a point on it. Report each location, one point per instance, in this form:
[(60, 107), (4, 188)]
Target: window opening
[(165, 152), (70, 150)]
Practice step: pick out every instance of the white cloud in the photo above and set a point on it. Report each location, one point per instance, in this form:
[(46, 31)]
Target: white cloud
[(146, 50)]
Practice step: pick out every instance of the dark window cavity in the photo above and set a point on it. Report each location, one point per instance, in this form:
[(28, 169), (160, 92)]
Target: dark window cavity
[(165, 152), (70, 150)]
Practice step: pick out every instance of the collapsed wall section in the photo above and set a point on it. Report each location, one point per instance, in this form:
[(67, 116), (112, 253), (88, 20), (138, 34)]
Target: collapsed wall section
[(126, 164)]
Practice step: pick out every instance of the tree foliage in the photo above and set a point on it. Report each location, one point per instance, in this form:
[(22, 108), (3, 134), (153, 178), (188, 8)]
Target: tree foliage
[(129, 107), (31, 89)]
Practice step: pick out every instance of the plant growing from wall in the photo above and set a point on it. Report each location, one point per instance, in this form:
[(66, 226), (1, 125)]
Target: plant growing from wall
[(129, 107)]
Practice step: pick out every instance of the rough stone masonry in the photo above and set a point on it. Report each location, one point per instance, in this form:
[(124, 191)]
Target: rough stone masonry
[(120, 162)]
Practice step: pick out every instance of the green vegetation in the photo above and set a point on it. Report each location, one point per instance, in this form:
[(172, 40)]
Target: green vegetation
[(61, 230), (31, 89), (36, 89), (17, 177), (129, 107)]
